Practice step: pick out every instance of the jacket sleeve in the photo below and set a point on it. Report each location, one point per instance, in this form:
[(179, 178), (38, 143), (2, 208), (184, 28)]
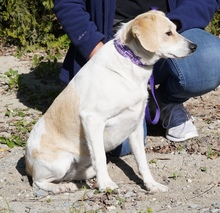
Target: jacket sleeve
[(75, 20), (191, 13)]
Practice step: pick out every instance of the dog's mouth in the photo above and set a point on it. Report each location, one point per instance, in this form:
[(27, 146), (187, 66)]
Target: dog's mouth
[(172, 55)]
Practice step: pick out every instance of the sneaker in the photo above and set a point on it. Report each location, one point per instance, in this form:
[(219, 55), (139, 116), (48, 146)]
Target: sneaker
[(178, 122)]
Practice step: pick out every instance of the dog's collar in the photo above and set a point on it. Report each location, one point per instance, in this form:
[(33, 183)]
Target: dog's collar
[(127, 53)]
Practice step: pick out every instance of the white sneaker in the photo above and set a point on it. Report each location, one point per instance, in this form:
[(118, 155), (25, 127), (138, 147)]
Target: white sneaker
[(178, 122)]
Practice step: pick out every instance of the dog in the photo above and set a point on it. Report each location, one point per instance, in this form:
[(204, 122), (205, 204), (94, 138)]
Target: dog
[(103, 105)]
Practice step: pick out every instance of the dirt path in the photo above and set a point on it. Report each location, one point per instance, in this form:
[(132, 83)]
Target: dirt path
[(190, 169)]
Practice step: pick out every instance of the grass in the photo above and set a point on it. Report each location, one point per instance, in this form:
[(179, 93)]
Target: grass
[(13, 77), (17, 126), (152, 161), (203, 169), (45, 68), (3, 210), (149, 210), (212, 154), (175, 175), (214, 25)]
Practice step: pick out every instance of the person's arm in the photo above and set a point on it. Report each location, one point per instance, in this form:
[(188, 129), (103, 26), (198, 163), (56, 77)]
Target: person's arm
[(187, 14), (97, 47), (75, 21)]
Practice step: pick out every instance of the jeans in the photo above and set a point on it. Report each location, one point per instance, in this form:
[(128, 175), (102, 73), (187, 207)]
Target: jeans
[(195, 75)]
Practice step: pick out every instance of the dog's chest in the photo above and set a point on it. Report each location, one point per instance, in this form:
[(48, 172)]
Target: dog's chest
[(119, 127)]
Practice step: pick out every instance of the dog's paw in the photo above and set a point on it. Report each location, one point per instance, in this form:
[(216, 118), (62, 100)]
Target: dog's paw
[(66, 187), (63, 187), (156, 187), (105, 185), (54, 188)]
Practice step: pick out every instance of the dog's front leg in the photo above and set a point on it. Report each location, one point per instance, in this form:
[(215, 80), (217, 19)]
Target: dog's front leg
[(136, 140), (94, 128)]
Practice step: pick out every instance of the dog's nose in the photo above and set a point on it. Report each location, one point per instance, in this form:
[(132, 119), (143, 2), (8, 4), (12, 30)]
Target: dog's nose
[(192, 47)]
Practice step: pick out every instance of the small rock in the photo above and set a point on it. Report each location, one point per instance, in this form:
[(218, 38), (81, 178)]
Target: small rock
[(111, 207), (211, 127), (27, 209), (129, 194), (205, 210), (215, 211), (216, 205), (123, 207), (189, 180), (193, 206)]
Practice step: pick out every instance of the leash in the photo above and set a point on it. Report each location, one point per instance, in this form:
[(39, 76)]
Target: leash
[(147, 110)]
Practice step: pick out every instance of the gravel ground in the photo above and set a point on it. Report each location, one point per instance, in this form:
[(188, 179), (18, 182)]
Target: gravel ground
[(190, 169)]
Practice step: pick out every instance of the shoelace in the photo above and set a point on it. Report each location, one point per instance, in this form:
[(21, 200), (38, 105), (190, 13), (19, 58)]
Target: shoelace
[(177, 114)]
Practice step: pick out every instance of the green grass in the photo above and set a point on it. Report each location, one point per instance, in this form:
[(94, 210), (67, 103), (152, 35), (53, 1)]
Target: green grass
[(13, 77)]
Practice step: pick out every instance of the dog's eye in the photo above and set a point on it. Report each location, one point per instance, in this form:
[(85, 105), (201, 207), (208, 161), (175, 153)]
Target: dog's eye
[(169, 33)]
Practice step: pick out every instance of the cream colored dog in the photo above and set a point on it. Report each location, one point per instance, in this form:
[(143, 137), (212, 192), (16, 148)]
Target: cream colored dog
[(102, 106)]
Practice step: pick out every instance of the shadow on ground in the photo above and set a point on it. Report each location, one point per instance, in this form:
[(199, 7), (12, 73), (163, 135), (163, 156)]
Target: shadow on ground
[(38, 88)]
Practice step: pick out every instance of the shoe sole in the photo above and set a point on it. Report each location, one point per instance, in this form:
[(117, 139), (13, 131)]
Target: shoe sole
[(187, 136)]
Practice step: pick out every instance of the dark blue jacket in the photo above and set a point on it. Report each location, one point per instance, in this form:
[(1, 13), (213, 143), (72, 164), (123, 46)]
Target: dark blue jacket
[(89, 22)]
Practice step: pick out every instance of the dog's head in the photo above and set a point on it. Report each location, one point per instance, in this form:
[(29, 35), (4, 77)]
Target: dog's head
[(152, 33)]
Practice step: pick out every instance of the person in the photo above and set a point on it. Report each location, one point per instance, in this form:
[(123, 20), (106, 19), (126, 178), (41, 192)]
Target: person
[(90, 24)]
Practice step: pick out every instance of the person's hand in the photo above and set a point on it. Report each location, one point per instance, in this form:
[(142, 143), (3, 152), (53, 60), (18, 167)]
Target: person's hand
[(97, 47)]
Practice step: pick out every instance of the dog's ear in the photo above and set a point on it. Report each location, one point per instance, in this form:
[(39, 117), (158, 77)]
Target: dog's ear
[(126, 34), (145, 30)]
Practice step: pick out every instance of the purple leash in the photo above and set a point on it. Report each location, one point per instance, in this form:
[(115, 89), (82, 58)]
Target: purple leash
[(147, 110)]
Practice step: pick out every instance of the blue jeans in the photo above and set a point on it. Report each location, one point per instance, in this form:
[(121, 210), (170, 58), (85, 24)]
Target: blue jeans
[(195, 75)]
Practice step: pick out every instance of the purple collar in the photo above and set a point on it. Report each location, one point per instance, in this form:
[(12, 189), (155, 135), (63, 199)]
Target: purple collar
[(127, 53)]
